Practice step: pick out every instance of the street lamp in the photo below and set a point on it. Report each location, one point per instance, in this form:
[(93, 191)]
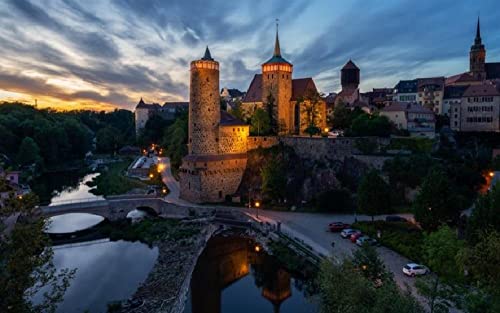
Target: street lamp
[(151, 176), (257, 205)]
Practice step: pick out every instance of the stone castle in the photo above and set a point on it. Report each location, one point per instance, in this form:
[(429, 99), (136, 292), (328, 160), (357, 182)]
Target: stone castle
[(217, 142)]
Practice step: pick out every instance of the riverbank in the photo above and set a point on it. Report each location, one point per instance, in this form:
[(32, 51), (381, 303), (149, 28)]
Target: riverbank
[(179, 245)]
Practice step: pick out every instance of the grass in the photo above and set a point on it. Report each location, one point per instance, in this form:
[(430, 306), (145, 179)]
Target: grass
[(114, 182), (404, 238)]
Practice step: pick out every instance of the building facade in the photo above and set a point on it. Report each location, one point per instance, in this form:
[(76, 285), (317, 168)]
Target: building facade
[(290, 97), (431, 93), (217, 142), (413, 117), (349, 80), (406, 91), (144, 111), (479, 109)]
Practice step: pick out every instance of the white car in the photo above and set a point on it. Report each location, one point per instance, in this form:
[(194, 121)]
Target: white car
[(346, 233), (413, 269), (366, 240)]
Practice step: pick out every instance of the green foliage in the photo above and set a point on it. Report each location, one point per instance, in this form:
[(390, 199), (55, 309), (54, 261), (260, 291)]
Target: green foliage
[(344, 289), (114, 182), (237, 110), (373, 195), (485, 215), (310, 110), (437, 294), (60, 136), (481, 262), (343, 116), (175, 140), (415, 145), (404, 238), (108, 140), (260, 123), (149, 230), (26, 266), (272, 112), (367, 261), (370, 125), (29, 152), (437, 202), (408, 171), (273, 175), (441, 251), (153, 130), (334, 201)]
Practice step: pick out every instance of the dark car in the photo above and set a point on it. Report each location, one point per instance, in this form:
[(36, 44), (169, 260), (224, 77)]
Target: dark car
[(337, 226), (395, 218)]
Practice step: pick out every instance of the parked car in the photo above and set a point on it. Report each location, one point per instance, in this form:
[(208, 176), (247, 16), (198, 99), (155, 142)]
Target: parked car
[(337, 226), (413, 269), (395, 218), (346, 233), (366, 240), (355, 236)]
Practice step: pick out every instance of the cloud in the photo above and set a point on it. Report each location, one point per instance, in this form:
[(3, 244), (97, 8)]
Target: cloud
[(119, 50)]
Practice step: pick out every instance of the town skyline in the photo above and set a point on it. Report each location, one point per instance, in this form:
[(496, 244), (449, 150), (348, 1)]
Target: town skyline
[(78, 59)]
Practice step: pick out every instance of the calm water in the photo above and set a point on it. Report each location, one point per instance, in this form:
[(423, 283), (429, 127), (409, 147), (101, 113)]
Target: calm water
[(108, 271), (231, 276), (72, 222), (63, 186)]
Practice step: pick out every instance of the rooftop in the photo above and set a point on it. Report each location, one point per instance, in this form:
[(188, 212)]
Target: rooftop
[(485, 89)]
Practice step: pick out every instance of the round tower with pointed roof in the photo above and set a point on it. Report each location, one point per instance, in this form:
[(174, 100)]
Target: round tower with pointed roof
[(277, 84), (349, 76), (477, 56), (204, 106)]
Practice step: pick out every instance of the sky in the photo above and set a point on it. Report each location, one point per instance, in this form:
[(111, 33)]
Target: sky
[(105, 54)]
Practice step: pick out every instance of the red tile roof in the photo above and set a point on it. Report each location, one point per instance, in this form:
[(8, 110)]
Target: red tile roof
[(460, 78), (485, 89)]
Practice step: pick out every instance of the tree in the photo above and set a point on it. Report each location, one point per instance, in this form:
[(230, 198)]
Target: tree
[(237, 110), (373, 195), (29, 152), (359, 294), (342, 117), (309, 107), (370, 125), (108, 139), (368, 262), (260, 122), (273, 177), (175, 140), (441, 251), (26, 267), (437, 202), (485, 215), (272, 113), (481, 261)]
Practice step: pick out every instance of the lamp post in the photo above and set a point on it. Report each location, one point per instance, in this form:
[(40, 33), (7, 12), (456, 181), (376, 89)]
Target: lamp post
[(257, 205)]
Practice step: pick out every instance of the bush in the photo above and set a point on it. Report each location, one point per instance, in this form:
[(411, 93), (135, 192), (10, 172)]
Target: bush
[(403, 238)]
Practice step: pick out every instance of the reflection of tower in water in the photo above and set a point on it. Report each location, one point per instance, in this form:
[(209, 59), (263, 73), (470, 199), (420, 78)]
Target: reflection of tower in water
[(277, 288), (224, 261)]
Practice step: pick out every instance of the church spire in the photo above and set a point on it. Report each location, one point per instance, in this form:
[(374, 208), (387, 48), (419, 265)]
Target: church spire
[(477, 40), (277, 50), (207, 56)]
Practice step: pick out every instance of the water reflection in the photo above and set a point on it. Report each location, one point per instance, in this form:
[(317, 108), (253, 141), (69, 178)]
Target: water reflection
[(106, 271), (231, 276), (80, 191), (72, 222)]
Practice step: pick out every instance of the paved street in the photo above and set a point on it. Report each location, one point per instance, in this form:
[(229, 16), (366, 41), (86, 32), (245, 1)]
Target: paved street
[(312, 226)]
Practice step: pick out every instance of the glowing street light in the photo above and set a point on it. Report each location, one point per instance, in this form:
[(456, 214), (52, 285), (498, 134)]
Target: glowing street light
[(257, 205), (491, 174), (257, 249), (164, 190), (151, 175), (326, 129)]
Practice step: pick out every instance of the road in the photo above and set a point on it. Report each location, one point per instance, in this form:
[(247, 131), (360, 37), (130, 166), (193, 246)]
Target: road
[(312, 227)]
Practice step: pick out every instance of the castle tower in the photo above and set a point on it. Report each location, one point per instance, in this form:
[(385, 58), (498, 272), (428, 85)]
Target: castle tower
[(277, 81), (204, 106), (477, 55), (349, 76)]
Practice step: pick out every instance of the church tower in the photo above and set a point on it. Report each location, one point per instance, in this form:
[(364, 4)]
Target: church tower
[(478, 56), (204, 106), (349, 76), (277, 82)]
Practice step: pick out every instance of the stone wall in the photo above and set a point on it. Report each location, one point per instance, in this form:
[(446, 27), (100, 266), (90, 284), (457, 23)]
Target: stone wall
[(233, 139), (255, 142), (323, 148), (279, 83), (211, 178)]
